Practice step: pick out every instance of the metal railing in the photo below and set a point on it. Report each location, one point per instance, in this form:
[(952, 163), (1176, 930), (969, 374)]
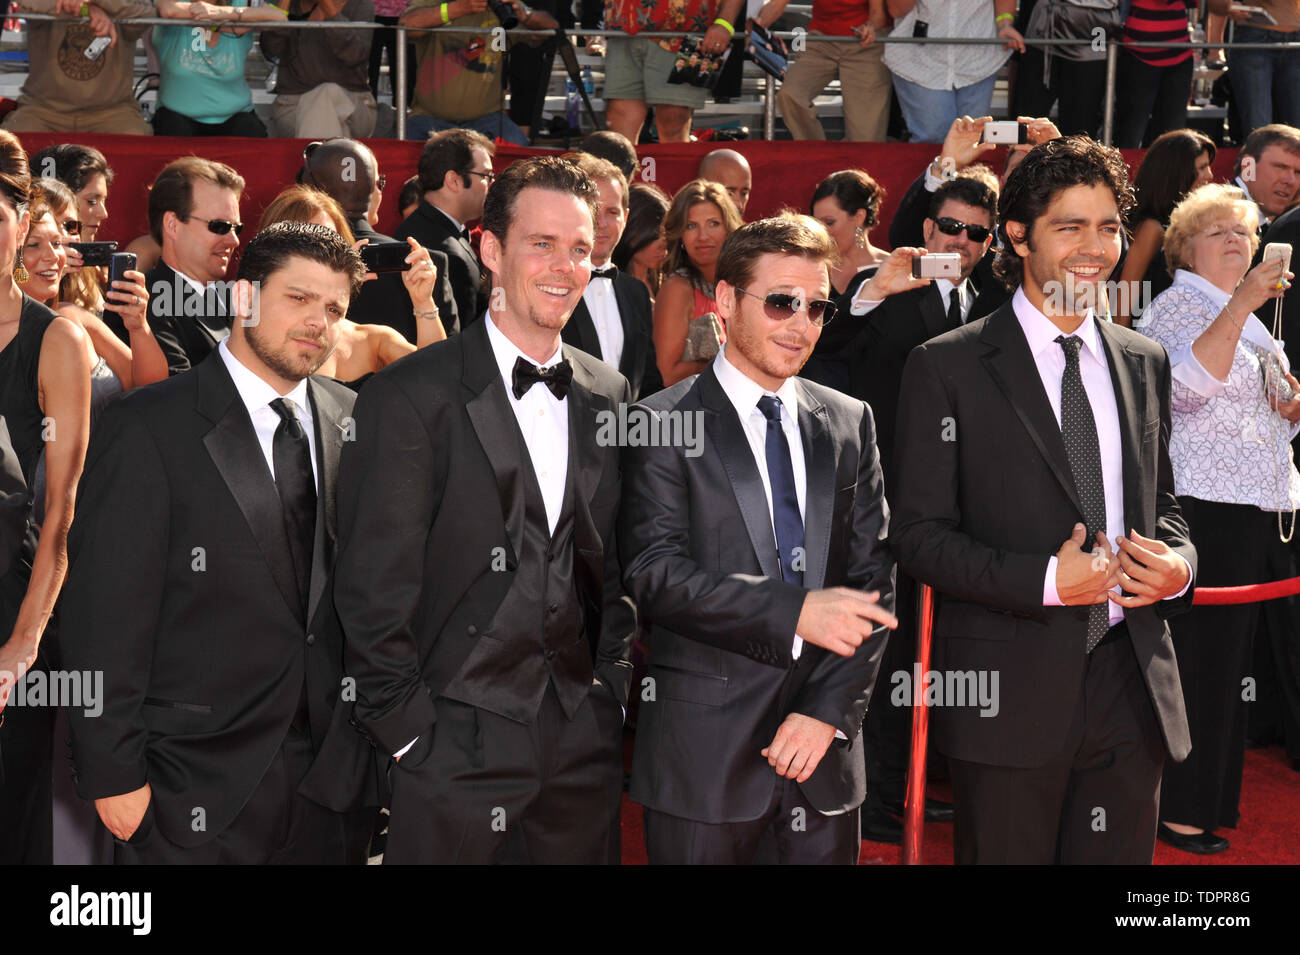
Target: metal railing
[(401, 67)]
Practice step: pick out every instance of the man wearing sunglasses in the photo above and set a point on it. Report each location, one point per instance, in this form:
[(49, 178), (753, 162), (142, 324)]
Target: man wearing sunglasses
[(194, 215), (760, 559), (455, 171)]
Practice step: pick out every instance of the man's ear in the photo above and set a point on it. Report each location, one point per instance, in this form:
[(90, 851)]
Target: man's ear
[(452, 181), (725, 298), (245, 300), (927, 230), (1018, 235), (489, 251)]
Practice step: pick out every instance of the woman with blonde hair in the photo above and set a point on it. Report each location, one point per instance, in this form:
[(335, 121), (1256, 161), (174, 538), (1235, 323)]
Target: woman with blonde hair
[(687, 330)]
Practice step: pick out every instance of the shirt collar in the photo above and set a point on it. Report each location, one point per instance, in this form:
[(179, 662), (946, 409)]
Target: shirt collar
[(460, 226), (507, 352), (1203, 285), (744, 392), (192, 282), (255, 392), (1042, 332)]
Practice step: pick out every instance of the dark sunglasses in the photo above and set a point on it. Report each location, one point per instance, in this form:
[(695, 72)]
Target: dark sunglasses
[(780, 306), (216, 226), (72, 227), (976, 233)]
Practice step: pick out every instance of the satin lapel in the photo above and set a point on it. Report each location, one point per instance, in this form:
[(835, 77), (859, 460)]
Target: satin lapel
[(819, 498), (1011, 365), (238, 458), (1128, 377), (585, 467), (633, 328), (728, 436), (327, 414), (498, 432)]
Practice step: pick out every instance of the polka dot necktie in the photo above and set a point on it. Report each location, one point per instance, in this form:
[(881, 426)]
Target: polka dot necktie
[(1079, 429), (787, 520)]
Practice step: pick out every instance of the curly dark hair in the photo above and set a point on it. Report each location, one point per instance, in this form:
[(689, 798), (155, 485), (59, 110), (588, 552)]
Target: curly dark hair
[(1048, 169), (272, 247)]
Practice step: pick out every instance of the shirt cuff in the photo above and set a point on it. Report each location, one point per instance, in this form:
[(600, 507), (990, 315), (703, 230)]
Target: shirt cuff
[(1191, 373), (797, 648), (1189, 579), (861, 306), (932, 182), (403, 751), (1050, 597)]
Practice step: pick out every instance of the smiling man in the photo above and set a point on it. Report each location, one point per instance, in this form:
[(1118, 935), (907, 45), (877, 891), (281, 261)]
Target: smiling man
[(223, 659), (477, 578), (763, 567), (1034, 493)]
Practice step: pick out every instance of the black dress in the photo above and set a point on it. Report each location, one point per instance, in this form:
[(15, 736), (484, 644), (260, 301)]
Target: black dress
[(823, 366), (27, 732)]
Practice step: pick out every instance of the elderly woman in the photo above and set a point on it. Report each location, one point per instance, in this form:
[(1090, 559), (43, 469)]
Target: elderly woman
[(1233, 420), (687, 331)]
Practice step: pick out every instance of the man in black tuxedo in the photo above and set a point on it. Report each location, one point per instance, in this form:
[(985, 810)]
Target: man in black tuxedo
[(614, 320), (1035, 494), (194, 216), (455, 172), (477, 564), (758, 554), (217, 638), (348, 172)]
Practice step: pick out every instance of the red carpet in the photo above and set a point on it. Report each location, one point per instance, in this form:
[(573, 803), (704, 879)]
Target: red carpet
[(1268, 834)]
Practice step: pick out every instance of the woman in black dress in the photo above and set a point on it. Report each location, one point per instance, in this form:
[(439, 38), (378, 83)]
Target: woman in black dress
[(45, 401)]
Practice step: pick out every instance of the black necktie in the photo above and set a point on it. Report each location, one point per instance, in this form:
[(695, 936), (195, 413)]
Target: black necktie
[(297, 486), (1079, 429), (786, 516), (610, 273), (954, 308), (557, 377)]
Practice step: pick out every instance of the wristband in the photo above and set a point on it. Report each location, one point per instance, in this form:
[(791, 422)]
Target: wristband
[(446, 14), (1008, 17), (85, 10), (428, 313), (726, 25)]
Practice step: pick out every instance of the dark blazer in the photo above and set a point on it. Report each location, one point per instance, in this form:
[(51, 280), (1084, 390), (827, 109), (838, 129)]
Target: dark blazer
[(385, 301), (985, 496), (637, 363), (187, 324), (181, 590), (700, 561), (431, 513), (433, 230)]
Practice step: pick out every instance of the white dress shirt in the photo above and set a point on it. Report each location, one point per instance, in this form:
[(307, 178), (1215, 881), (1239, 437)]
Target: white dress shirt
[(543, 419), (603, 306), (946, 67), (744, 392), (1094, 369), (257, 396)]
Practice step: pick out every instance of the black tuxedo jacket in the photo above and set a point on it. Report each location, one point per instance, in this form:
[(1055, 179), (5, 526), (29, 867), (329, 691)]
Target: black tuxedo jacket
[(385, 301), (431, 514), (637, 363), (700, 561), (188, 324), (433, 230), (985, 496), (181, 590)]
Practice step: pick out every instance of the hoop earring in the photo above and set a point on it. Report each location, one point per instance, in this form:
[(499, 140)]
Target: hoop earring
[(21, 275), (860, 238)]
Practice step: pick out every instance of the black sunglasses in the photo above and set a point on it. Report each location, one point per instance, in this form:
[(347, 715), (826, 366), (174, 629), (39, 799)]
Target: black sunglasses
[(72, 227), (780, 306), (976, 233), (216, 226)]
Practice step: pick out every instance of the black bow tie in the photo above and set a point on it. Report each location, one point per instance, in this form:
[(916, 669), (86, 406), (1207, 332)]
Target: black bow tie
[(464, 233), (610, 273), (557, 377)]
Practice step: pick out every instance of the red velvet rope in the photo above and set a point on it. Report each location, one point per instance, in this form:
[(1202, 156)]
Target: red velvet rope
[(1211, 596)]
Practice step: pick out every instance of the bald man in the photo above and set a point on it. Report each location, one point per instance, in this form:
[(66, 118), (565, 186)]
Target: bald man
[(348, 172), (730, 170)]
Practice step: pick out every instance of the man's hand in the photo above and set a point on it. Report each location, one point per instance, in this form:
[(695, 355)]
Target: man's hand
[(1039, 129), (122, 814), (67, 8), (102, 25), (1082, 577), (962, 146), (866, 34), (1152, 571), (839, 619), (715, 40), (1014, 40), (798, 746), (893, 276)]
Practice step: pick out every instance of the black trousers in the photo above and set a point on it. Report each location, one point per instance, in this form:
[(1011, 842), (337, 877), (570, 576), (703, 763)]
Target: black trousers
[(887, 730), (168, 122), (26, 780), (1095, 803), (479, 788), (1214, 646), (1078, 85), (789, 832), (277, 826), (1275, 714), (1153, 101)]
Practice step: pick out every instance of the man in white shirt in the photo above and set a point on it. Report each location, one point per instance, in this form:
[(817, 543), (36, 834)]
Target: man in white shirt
[(1035, 494), (477, 580), (761, 564), (223, 663), (1268, 170)]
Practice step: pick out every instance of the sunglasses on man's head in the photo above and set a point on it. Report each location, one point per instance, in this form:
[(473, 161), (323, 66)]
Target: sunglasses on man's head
[(948, 226), (72, 227), (216, 226), (781, 306)]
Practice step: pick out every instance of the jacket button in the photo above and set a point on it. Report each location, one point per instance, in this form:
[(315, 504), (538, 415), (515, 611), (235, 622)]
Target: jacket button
[(554, 608), (311, 639), (472, 630), (550, 654)]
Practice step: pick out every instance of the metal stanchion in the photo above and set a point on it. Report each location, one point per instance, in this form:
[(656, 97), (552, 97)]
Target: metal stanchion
[(769, 107), (399, 83), (1108, 111)]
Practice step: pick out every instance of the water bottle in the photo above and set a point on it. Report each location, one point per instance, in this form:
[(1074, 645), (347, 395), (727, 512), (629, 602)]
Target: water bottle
[(588, 81), (571, 104)]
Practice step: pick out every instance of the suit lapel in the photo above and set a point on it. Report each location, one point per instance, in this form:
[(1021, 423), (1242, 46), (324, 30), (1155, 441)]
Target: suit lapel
[(580, 330), (819, 463), (934, 316), (1011, 365), (633, 350), (327, 414), (727, 434), (494, 422), (585, 466), (232, 445), (1128, 377)]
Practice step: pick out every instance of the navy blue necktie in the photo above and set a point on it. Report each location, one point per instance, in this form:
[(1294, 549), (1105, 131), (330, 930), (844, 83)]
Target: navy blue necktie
[(786, 516)]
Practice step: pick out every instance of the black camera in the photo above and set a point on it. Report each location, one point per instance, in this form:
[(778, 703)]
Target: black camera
[(504, 12)]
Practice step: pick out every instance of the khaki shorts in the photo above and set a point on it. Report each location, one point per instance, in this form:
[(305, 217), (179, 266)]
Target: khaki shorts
[(637, 69)]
